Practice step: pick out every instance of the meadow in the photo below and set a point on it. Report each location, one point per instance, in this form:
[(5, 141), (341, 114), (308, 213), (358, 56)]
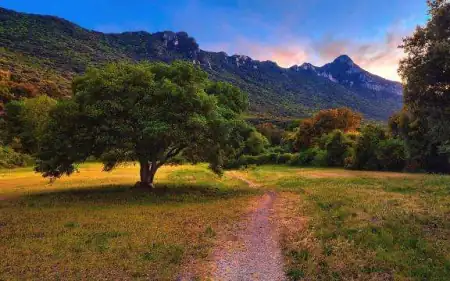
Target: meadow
[(359, 225), (94, 225), (335, 224)]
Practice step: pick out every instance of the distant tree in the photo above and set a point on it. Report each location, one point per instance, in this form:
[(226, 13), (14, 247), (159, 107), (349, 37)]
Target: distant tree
[(255, 143), (337, 145), (144, 112), (271, 132), (364, 154), (324, 122), (304, 136), (391, 154), (343, 118), (26, 121), (425, 73)]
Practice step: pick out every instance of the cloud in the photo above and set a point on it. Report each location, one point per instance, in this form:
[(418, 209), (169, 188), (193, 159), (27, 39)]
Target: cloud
[(284, 55), (379, 56)]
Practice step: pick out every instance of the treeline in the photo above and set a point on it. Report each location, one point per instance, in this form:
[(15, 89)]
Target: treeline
[(331, 138)]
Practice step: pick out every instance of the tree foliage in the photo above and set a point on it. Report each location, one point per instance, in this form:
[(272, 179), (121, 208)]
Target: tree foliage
[(364, 151), (26, 121), (336, 144), (147, 112), (425, 72), (271, 132), (324, 122)]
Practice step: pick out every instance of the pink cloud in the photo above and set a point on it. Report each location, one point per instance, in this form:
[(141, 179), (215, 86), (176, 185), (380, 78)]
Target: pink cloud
[(380, 56)]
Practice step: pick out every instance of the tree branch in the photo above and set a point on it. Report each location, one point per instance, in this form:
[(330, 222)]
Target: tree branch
[(172, 152)]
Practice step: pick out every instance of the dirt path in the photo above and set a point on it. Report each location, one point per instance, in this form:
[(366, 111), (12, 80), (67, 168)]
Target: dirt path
[(239, 176), (251, 251), (254, 253)]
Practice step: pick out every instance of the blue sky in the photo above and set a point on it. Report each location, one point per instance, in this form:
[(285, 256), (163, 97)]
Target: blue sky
[(286, 31)]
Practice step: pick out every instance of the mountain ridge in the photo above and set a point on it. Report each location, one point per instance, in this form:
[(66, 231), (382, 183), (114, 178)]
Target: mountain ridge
[(60, 46)]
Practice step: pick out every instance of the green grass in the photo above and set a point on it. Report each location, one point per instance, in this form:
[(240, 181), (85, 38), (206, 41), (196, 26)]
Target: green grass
[(93, 225), (364, 225), (337, 224)]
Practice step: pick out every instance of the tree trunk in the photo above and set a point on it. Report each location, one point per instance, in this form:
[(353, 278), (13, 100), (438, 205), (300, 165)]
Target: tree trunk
[(147, 174)]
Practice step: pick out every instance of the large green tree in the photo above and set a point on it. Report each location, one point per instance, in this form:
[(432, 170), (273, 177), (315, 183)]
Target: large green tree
[(148, 113), (426, 75)]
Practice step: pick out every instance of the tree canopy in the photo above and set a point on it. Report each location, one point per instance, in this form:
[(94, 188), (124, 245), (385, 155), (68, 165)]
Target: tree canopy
[(425, 72), (146, 112), (324, 122), (26, 122)]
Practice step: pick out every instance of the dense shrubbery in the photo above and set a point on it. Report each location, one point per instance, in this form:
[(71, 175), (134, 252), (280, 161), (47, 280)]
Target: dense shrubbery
[(374, 149), (11, 159), (340, 143)]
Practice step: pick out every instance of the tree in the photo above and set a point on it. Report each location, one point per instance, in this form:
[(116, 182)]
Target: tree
[(271, 132), (343, 118), (27, 119), (364, 154), (425, 73), (144, 112), (337, 145), (255, 143), (324, 122)]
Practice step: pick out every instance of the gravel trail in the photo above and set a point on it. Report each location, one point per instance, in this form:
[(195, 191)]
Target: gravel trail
[(257, 255)]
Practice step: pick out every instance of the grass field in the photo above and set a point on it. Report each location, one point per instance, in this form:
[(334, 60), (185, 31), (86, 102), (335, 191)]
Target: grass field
[(94, 226), (363, 225), (336, 224)]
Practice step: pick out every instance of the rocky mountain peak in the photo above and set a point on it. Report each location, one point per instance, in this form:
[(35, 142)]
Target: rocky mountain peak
[(344, 59)]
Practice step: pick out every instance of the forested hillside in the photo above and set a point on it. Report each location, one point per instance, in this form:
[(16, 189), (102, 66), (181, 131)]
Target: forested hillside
[(41, 54)]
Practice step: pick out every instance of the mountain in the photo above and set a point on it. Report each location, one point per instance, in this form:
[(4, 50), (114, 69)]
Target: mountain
[(45, 52), (345, 72)]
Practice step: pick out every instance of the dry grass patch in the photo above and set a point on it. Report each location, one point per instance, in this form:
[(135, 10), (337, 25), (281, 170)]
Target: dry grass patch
[(93, 225)]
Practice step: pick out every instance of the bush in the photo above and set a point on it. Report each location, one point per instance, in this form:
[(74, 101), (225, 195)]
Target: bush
[(391, 155), (305, 157), (261, 159), (256, 143), (336, 144), (11, 159), (276, 149), (320, 159), (285, 158), (364, 151)]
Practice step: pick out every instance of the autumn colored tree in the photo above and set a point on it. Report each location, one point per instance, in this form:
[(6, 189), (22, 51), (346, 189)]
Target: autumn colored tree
[(324, 122)]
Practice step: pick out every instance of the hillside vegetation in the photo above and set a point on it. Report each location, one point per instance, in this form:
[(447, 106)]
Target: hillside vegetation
[(44, 53)]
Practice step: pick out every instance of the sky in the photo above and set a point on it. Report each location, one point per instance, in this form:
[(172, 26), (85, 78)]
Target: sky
[(285, 31)]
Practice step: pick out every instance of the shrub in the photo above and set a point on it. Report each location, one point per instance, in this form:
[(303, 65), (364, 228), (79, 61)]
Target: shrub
[(364, 151), (391, 155), (336, 144), (277, 149), (261, 159), (305, 157), (256, 143), (285, 158), (11, 159), (320, 159)]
